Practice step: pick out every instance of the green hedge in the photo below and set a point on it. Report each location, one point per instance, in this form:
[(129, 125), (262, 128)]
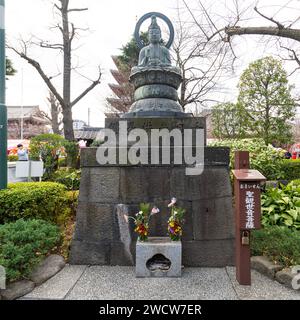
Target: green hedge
[(23, 244), (291, 169), (280, 244), (42, 200), (12, 158), (266, 159)]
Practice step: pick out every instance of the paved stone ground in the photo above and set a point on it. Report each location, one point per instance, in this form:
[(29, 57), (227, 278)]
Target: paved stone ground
[(120, 283)]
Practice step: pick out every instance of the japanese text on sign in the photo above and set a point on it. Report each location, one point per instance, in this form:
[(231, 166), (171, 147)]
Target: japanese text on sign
[(250, 209)]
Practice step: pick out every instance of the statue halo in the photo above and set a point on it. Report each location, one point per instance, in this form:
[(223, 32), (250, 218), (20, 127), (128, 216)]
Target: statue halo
[(147, 16)]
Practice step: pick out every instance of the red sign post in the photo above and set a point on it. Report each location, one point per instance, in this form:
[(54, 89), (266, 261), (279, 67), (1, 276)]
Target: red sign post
[(247, 212)]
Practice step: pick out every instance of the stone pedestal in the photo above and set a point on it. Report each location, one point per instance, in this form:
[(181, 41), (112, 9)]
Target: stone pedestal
[(158, 257), (208, 232), (103, 237)]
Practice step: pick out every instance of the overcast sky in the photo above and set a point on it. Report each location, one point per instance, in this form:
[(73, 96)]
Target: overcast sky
[(111, 24)]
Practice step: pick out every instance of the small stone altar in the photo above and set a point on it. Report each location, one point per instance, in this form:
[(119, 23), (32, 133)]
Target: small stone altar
[(158, 257), (107, 190)]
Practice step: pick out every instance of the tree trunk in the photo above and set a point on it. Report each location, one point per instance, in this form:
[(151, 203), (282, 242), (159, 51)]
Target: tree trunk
[(54, 115), (68, 123), (68, 32), (67, 39)]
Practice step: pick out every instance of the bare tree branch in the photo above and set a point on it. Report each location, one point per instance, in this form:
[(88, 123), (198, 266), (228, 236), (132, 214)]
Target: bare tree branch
[(271, 31), (39, 69), (293, 54), (82, 9), (68, 32), (279, 25), (88, 89)]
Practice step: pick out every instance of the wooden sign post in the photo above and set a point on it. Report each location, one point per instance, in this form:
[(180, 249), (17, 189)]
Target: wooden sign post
[(247, 212)]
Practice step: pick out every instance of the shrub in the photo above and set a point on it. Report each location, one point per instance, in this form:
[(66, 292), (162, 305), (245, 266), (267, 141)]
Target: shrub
[(291, 169), (72, 201), (280, 244), (281, 206), (48, 147), (97, 143), (72, 150), (266, 159), (62, 162), (67, 176), (12, 157), (23, 244), (43, 200)]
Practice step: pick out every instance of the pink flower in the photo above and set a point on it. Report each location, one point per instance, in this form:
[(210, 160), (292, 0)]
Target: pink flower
[(155, 210), (172, 203)]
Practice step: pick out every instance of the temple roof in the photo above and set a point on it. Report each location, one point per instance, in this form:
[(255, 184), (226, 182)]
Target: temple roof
[(119, 104), (119, 91), (89, 133), (119, 77), (29, 112)]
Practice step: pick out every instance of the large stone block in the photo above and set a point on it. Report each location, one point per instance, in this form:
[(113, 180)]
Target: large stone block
[(104, 185), (213, 219), (85, 185), (214, 182), (156, 123), (140, 184), (90, 253), (94, 222), (133, 185), (213, 157), (119, 254), (100, 185), (208, 253)]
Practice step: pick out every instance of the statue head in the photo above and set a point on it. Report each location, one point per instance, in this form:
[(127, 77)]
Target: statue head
[(154, 31)]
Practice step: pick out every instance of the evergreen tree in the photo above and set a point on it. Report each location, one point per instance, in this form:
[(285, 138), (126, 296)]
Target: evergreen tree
[(10, 70), (265, 97), (228, 121)]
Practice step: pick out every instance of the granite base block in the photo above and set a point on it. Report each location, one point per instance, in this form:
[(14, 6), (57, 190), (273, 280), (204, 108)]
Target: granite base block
[(158, 257)]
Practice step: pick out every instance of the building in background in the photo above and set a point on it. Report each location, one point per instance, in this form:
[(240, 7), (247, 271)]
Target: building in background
[(26, 122)]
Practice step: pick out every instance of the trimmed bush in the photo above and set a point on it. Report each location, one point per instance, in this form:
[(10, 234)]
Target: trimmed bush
[(23, 244), (291, 169), (280, 244), (42, 200), (266, 159), (12, 158)]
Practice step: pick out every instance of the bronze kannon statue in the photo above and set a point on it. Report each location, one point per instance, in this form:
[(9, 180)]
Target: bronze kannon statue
[(155, 79)]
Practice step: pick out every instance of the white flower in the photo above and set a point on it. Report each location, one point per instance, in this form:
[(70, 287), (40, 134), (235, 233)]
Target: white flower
[(172, 203)]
